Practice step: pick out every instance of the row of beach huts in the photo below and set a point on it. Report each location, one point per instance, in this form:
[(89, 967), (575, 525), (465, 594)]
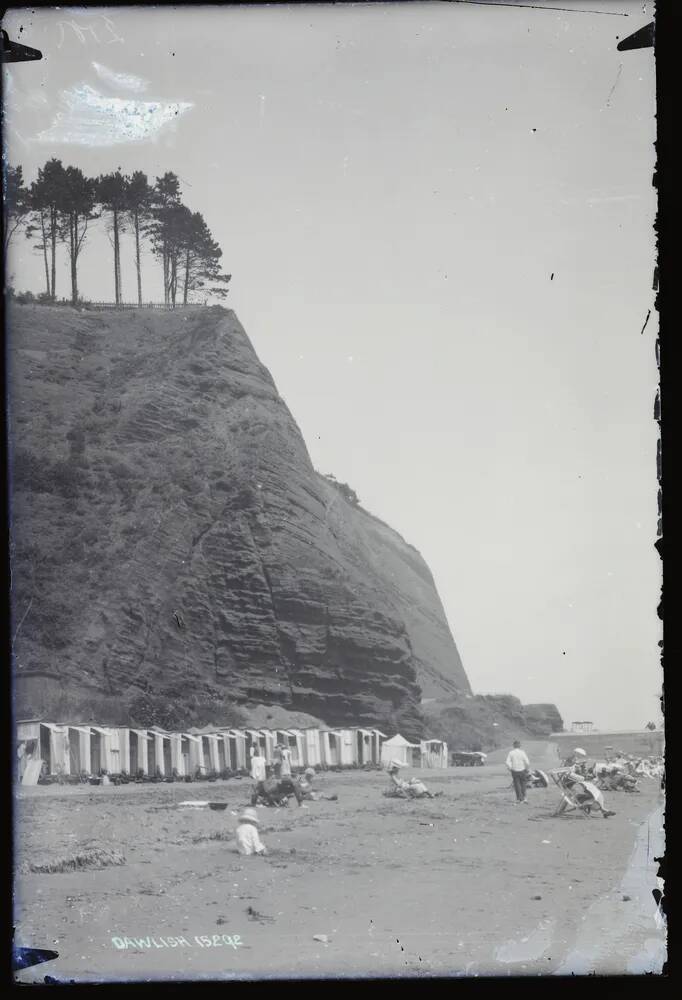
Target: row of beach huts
[(51, 749)]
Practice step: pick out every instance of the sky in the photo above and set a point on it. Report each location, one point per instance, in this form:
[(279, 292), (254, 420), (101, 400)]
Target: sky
[(438, 218)]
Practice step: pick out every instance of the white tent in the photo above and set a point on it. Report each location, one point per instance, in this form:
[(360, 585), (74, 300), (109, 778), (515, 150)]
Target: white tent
[(398, 748)]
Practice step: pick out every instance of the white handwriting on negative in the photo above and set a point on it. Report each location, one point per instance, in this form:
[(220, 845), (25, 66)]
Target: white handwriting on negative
[(203, 940)]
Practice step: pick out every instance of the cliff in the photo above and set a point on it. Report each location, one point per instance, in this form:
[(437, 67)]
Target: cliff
[(486, 722), (169, 535)]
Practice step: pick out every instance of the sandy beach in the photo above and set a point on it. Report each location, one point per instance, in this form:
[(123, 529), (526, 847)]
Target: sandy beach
[(467, 884)]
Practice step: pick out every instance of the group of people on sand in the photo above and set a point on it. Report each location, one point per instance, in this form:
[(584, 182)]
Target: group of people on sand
[(619, 773), (573, 779), (274, 790)]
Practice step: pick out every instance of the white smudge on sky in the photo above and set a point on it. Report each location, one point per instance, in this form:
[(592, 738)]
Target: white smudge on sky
[(123, 81), (90, 119)]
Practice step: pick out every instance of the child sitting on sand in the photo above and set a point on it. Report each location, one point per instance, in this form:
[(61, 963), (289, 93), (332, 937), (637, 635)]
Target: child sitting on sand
[(248, 841)]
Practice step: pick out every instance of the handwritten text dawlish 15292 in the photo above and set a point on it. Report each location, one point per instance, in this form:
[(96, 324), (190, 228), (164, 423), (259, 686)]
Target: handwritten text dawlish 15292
[(198, 940)]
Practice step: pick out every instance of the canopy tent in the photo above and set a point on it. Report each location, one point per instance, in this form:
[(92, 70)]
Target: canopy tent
[(398, 748)]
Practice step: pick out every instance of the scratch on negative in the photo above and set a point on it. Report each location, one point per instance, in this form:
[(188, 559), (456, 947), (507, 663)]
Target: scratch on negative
[(645, 322), (22, 621), (608, 99)]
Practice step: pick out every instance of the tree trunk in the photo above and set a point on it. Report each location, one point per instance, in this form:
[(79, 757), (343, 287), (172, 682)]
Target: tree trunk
[(47, 265), (117, 263), (165, 276), (137, 259), (74, 258), (174, 280), (53, 234), (186, 288)]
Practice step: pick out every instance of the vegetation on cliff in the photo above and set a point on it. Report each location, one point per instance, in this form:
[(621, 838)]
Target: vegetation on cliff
[(61, 205), (486, 722)]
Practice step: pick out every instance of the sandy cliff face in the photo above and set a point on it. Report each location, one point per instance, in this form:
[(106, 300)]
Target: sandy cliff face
[(168, 529)]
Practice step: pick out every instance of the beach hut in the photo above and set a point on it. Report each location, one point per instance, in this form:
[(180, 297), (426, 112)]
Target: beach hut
[(209, 742), (176, 755), (282, 737), (223, 752), (120, 750), (44, 741), (348, 751), (28, 750), (54, 748), (109, 749), (236, 740), (264, 740), (330, 752), (377, 739), (159, 752), (434, 753), (99, 756), (364, 746), (268, 745), (28, 729), (311, 747), (139, 757), (294, 741), (338, 747), (78, 740), (193, 754), (398, 748)]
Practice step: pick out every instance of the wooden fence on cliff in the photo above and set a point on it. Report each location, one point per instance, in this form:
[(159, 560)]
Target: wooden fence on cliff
[(135, 305)]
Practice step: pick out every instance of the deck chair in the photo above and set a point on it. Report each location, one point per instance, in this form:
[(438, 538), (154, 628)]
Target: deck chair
[(569, 795)]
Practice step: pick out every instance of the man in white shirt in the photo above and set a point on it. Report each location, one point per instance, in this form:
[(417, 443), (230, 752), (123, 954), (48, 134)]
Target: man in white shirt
[(519, 765)]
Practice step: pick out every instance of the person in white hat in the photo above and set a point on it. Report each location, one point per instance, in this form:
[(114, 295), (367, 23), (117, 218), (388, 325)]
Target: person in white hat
[(396, 786), (248, 839), (576, 756), (578, 761)]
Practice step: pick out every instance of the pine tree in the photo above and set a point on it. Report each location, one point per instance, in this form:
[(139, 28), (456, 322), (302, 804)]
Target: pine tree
[(15, 202), (201, 261), (163, 229), (46, 195), (112, 191), (139, 197), (77, 210)]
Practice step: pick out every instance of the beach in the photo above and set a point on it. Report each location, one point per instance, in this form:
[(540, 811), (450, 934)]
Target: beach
[(466, 884)]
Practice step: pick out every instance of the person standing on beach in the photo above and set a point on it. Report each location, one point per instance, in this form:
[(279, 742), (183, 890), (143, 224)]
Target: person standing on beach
[(286, 762), (277, 759), (258, 770), (519, 765)]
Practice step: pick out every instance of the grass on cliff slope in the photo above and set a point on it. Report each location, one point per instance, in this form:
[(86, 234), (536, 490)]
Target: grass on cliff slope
[(486, 722)]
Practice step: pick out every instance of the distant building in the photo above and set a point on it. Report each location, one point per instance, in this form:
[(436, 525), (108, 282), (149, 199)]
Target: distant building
[(582, 727)]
